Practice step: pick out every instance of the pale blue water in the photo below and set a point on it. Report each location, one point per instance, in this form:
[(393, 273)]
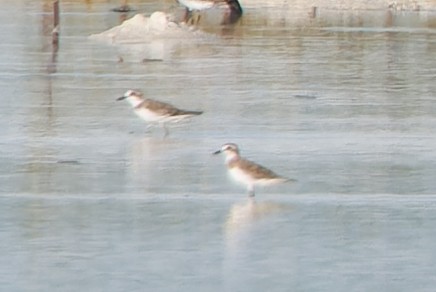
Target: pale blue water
[(344, 103)]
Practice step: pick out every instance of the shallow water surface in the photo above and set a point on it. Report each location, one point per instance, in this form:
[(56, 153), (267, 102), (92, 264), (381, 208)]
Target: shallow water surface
[(342, 101)]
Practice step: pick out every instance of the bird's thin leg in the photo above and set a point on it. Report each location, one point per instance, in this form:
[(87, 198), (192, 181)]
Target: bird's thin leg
[(197, 20), (167, 132)]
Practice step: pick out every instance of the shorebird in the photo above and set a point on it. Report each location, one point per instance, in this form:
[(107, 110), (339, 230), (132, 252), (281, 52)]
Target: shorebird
[(247, 172), (154, 111), (232, 7)]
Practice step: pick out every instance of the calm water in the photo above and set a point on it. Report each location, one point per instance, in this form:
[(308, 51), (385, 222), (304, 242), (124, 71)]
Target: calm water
[(344, 102)]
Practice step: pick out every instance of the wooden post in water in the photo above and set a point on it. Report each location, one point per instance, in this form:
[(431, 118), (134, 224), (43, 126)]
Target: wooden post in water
[(55, 32), (313, 12)]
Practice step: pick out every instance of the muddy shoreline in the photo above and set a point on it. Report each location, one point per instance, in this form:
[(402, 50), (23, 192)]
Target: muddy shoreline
[(406, 5)]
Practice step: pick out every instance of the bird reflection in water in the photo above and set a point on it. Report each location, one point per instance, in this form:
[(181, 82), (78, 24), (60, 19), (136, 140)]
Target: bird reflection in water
[(242, 218), (242, 230)]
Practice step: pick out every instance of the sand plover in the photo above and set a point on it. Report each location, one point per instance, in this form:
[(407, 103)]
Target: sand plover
[(154, 111), (246, 171)]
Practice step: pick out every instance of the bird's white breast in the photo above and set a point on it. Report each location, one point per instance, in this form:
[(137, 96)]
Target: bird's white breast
[(241, 176), (148, 115)]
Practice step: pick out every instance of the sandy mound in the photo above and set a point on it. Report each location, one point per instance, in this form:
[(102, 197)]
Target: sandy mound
[(140, 28), (142, 38)]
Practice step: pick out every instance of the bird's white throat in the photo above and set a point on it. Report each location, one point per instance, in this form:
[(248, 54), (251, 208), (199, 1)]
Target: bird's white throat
[(231, 156), (134, 100)]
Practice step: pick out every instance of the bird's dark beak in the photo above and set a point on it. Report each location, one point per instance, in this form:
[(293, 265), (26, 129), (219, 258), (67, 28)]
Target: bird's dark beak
[(217, 152), (121, 97)]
